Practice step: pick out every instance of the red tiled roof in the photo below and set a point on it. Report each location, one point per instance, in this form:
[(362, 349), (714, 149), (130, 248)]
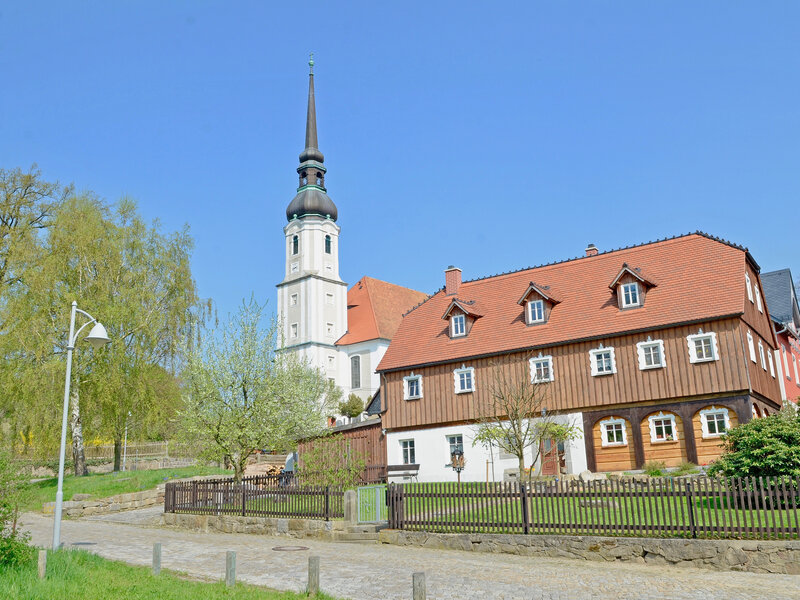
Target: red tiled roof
[(375, 309), (699, 278)]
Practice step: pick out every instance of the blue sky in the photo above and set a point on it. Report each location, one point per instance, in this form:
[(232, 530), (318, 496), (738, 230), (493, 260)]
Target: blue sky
[(492, 137)]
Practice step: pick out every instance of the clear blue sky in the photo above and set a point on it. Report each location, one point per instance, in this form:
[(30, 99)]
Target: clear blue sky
[(489, 137)]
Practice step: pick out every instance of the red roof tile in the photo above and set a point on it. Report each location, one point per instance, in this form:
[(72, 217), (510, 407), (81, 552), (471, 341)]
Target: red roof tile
[(699, 278), (375, 309)]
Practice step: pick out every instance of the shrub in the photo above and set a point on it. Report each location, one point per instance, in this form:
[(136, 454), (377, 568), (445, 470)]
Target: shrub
[(352, 407), (331, 460), (767, 447), (13, 543), (685, 468), (654, 468)]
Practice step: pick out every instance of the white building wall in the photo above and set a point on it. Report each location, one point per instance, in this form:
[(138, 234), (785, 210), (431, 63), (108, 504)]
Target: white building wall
[(432, 452)]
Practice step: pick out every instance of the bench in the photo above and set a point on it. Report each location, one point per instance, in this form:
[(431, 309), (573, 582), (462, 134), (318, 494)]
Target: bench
[(404, 471)]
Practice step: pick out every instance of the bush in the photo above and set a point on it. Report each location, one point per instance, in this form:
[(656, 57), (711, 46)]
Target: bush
[(352, 407), (331, 460), (654, 468), (13, 543), (685, 468), (767, 447)]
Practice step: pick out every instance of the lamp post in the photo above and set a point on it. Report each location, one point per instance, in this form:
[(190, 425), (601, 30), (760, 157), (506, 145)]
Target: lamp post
[(97, 338), (457, 461)]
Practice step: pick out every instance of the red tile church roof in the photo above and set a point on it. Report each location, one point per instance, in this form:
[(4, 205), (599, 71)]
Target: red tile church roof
[(699, 278)]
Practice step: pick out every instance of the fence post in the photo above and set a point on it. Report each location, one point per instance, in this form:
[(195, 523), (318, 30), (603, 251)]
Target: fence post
[(243, 500), (313, 575), (690, 503), (523, 492), (418, 586), (327, 503), (42, 563), (230, 568), (156, 558)]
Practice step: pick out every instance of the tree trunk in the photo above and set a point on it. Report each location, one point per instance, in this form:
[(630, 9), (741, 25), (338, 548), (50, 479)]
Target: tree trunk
[(521, 459), (78, 456), (117, 453)]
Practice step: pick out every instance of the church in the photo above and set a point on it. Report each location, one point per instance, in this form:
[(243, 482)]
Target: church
[(345, 333)]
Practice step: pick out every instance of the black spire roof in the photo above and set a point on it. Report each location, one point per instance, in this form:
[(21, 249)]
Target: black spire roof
[(311, 198)]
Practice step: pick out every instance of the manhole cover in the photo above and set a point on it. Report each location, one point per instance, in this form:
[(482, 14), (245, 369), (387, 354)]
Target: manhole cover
[(289, 548), (84, 543)]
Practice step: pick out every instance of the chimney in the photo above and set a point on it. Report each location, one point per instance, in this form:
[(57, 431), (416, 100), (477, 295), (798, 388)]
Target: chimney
[(591, 250), (452, 280)]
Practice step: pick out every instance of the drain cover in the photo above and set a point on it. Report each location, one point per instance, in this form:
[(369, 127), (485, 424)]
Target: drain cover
[(84, 543), (289, 548)]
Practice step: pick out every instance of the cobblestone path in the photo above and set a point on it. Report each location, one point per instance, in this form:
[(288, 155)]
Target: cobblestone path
[(383, 572)]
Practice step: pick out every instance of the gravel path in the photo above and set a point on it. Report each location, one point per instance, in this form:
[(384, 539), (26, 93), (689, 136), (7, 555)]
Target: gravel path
[(380, 572)]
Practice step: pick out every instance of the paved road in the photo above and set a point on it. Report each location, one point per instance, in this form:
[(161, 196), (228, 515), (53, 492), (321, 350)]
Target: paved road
[(382, 572)]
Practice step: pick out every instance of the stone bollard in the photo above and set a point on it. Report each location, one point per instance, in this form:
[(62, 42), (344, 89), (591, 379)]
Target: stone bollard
[(230, 568), (42, 563), (418, 583), (313, 575), (156, 558), (351, 507)]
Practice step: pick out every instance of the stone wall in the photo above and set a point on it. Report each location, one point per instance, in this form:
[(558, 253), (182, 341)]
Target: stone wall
[(720, 555), (81, 507), (297, 528)]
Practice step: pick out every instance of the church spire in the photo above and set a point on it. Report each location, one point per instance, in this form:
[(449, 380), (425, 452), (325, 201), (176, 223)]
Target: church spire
[(311, 198), (311, 151)]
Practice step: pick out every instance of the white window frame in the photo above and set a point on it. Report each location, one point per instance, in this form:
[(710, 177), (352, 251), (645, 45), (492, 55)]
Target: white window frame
[(450, 437), (604, 438), (540, 305), (690, 340), (295, 245), (758, 299), (662, 416), (593, 361), (355, 359), (751, 346), (457, 380), (541, 359), (749, 288), (638, 291), (293, 329), (407, 385), (403, 450), (761, 354), (459, 318), (640, 348), (771, 364), (715, 410), (786, 362), (794, 364)]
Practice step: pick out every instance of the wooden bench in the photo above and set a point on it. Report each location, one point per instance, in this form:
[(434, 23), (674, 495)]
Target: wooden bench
[(404, 471)]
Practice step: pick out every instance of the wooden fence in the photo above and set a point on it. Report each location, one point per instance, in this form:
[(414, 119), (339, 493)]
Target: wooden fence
[(758, 508), (257, 496)]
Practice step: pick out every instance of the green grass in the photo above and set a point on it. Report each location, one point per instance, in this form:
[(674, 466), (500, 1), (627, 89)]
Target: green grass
[(102, 485), (79, 575)]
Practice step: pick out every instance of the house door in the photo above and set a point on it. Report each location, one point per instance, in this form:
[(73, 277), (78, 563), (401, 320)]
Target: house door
[(553, 459)]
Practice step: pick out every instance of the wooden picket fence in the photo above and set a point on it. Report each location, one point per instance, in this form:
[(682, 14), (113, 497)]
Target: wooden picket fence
[(256, 496), (756, 508)]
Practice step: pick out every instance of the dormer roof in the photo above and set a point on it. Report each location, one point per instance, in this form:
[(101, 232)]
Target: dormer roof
[(543, 290), (636, 272), (468, 307)]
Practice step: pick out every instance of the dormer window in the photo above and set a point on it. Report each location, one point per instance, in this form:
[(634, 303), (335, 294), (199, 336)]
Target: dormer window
[(535, 312), (458, 326), (630, 295), (295, 245)]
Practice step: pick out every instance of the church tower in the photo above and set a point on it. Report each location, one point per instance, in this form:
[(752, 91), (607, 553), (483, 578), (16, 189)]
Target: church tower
[(312, 298)]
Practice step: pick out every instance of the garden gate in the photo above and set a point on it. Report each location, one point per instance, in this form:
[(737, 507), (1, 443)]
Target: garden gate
[(372, 504)]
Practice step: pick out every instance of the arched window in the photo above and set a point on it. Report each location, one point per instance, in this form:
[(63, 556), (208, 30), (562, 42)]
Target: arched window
[(295, 245), (355, 372), (327, 244), (319, 178)]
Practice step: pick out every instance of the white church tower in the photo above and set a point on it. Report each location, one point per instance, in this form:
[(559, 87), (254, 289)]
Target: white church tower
[(312, 298)]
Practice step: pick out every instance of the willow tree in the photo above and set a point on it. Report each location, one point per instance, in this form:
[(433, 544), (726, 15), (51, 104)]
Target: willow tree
[(242, 394)]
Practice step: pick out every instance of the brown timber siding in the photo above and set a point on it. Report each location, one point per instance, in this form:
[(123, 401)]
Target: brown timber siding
[(574, 388), (614, 458), (709, 449), (671, 454)]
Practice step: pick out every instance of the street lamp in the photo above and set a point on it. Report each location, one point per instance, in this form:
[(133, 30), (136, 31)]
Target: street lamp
[(97, 338), (457, 461)]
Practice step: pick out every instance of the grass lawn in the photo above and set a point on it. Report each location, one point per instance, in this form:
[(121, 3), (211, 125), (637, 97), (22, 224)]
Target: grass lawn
[(79, 575), (102, 485)]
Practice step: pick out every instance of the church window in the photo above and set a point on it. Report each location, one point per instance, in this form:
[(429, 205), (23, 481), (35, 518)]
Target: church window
[(293, 300), (319, 178), (355, 372), (327, 244), (304, 178), (294, 330), (295, 244)]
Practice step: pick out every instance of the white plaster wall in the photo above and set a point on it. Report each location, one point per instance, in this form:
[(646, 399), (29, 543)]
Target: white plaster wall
[(433, 453)]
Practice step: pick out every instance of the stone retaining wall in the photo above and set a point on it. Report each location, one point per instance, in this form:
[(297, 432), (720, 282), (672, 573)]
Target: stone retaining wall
[(83, 508), (719, 555), (297, 528)]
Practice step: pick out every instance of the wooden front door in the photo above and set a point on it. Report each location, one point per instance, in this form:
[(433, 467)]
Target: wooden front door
[(552, 456)]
